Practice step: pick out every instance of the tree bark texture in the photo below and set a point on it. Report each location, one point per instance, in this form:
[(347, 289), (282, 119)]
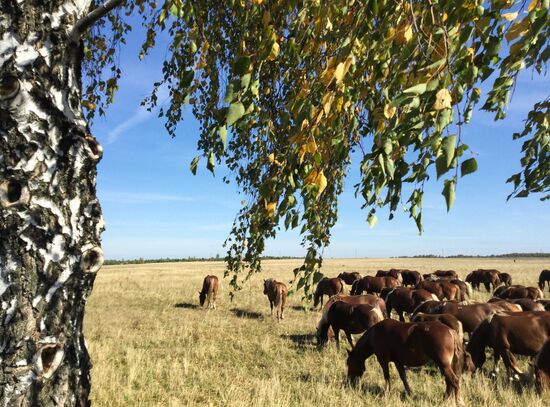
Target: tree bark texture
[(50, 218)]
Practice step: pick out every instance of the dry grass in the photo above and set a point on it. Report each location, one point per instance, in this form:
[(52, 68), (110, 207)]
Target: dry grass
[(152, 346)]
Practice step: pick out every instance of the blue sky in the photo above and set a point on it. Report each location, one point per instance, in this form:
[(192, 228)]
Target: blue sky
[(154, 207)]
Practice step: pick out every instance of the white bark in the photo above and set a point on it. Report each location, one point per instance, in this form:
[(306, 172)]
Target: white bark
[(50, 219)]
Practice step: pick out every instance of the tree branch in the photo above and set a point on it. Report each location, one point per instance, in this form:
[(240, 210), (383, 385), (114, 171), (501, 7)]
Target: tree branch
[(87, 21)]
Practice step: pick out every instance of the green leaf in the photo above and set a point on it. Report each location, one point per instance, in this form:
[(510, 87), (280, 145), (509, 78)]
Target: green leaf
[(194, 165), (372, 220), (242, 65), (441, 165), (468, 166), (448, 145), (222, 131), (317, 276), (416, 89), (229, 93), (449, 193), (245, 81), (211, 162), (234, 113)]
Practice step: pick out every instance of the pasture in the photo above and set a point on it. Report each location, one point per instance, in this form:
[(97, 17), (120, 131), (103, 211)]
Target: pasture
[(151, 345)]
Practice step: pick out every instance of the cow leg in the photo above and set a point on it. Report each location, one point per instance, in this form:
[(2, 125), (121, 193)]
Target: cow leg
[(386, 370), (336, 336), (350, 339), (271, 306), (403, 376), (510, 362), (487, 286), (401, 316), (452, 383)]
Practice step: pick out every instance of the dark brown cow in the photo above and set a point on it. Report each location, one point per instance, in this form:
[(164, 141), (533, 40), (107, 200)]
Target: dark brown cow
[(210, 288), (526, 304), (485, 277), (327, 286), (505, 279), (446, 273), (276, 293), (349, 278), (395, 273), (471, 315), (410, 277), (544, 277), (403, 299), (392, 341), (542, 367), (370, 299), (373, 284), (519, 291), (352, 319), (465, 289), (523, 333)]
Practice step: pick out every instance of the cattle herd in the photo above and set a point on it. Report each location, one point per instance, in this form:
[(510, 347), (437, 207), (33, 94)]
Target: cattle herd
[(515, 321)]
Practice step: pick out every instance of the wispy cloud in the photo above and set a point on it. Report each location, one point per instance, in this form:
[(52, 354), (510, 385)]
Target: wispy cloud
[(145, 197), (140, 115)]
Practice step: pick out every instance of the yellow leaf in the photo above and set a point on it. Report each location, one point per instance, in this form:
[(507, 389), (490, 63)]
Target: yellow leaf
[(342, 69), (257, 2), (329, 25), (271, 158), (321, 182), (305, 124), (380, 126), (311, 177), (510, 16), (442, 99), (477, 91), (327, 102), (274, 51), (404, 34), (444, 17), (389, 111), (339, 104), (270, 208), (266, 18)]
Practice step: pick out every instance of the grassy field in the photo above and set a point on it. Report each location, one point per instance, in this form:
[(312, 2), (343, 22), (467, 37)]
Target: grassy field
[(151, 344)]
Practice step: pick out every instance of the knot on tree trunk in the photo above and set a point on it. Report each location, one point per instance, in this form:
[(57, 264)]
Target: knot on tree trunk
[(13, 193), (92, 259), (9, 87)]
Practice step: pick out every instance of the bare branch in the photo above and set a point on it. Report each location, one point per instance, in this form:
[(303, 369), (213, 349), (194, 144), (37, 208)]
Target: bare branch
[(87, 21)]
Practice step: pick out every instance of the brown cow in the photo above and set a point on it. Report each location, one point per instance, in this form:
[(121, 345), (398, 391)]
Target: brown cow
[(544, 277), (410, 277), (276, 293), (352, 319), (210, 288), (542, 367), (327, 286), (450, 320), (429, 307), (471, 315), (442, 289), (485, 277), (349, 278), (519, 291), (395, 273), (505, 279), (526, 304), (370, 299), (403, 299), (523, 333), (392, 341), (446, 273), (373, 284)]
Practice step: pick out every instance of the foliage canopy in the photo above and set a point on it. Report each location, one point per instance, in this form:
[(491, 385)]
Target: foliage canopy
[(286, 90)]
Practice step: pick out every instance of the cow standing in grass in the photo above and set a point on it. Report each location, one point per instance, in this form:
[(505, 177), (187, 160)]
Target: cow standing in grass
[(276, 293), (210, 288)]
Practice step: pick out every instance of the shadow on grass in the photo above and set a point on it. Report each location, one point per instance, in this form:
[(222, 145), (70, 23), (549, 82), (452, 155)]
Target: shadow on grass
[(299, 308), (187, 305), (302, 341), (243, 313)]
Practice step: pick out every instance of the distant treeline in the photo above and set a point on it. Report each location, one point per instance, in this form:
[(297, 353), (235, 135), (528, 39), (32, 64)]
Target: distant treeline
[(188, 259), (505, 255)]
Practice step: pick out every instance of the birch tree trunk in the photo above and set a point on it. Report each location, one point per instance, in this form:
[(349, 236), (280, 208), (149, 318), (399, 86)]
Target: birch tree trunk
[(50, 219)]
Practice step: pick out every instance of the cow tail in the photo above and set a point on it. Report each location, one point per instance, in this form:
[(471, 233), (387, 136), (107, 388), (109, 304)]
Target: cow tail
[(458, 355), (279, 300)]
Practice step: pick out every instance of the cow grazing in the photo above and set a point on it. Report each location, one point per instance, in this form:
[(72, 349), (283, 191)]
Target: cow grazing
[(349, 278), (210, 288), (276, 293), (403, 299), (372, 284), (393, 341), (505, 279), (395, 273), (327, 286), (352, 319), (410, 277), (519, 291), (486, 277), (522, 333)]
